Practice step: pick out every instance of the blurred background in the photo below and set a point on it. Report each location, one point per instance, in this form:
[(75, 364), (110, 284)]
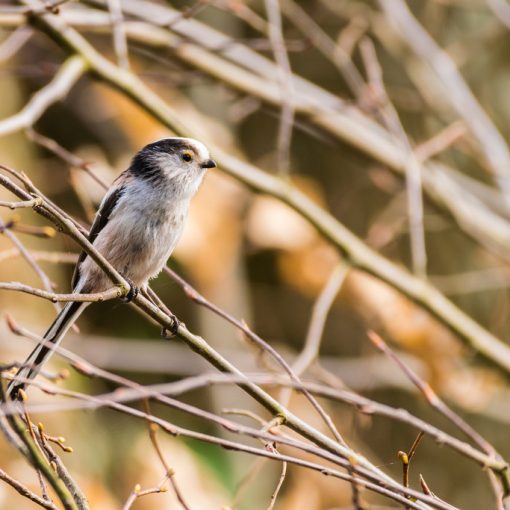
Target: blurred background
[(255, 257)]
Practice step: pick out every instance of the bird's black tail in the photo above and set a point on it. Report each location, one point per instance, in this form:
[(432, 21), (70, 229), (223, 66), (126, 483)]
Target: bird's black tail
[(65, 319)]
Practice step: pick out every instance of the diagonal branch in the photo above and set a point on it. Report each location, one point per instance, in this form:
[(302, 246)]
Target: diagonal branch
[(200, 346), (456, 193), (25, 492), (97, 297), (66, 77), (462, 100), (357, 252), (285, 81)]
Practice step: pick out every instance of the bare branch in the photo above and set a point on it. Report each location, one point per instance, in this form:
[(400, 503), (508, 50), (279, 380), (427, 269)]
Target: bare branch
[(278, 486), (446, 411), (285, 79), (382, 488), (411, 164), (320, 311), (460, 97), (26, 204), (234, 64), (454, 192), (14, 43), (170, 472), (325, 45), (137, 492), (57, 89), (321, 308), (259, 342), (65, 155), (356, 251), (119, 35), (27, 493), (42, 256), (97, 297), (32, 452)]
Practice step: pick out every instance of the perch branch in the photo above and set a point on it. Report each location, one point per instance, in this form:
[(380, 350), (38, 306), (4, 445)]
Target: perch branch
[(357, 252)]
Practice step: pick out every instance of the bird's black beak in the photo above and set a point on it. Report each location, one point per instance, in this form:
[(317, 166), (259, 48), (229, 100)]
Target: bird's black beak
[(209, 164)]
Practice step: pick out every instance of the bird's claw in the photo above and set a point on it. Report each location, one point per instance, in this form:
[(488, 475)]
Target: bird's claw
[(172, 331), (133, 291)]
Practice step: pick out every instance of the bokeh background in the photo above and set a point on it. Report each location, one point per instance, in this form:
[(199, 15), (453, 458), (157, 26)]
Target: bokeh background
[(259, 260)]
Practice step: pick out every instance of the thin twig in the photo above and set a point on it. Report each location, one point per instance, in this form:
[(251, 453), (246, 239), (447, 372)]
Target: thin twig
[(286, 87), (320, 312), (193, 294), (170, 472), (276, 491), (410, 162), (70, 158), (175, 430), (95, 297), (459, 95), (430, 395), (327, 46), (441, 141), (501, 10), (357, 252), (438, 404), (46, 6), (39, 461), (54, 257), (48, 286), (119, 35), (18, 205), (27, 493), (14, 42), (137, 492), (405, 458), (66, 77)]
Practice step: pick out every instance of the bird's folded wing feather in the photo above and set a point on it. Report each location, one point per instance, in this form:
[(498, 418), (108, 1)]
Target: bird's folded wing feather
[(108, 204)]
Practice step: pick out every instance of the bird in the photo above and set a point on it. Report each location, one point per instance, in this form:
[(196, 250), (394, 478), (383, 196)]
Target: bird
[(136, 228)]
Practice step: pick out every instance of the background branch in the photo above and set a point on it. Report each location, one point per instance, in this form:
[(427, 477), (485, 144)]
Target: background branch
[(287, 279)]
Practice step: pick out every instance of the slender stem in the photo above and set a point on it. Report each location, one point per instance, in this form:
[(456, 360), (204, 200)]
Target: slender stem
[(67, 76), (357, 252), (96, 297), (25, 492)]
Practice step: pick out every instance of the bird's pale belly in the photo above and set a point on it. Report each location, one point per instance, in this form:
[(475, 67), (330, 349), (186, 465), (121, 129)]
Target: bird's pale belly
[(139, 252)]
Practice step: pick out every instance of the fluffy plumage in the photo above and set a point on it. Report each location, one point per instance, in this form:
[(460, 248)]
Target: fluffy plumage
[(136, 228)]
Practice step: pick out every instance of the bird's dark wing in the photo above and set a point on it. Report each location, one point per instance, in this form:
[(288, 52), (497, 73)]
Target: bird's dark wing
[(100, 221)]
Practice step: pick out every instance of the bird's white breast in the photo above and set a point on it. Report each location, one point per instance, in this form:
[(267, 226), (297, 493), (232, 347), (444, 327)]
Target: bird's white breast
[(141, 233)]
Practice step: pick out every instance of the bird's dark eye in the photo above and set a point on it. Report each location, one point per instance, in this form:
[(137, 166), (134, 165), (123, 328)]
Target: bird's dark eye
[(187, 156)]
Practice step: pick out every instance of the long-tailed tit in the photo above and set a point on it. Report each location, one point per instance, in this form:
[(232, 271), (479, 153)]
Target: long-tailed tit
[(136, 228)]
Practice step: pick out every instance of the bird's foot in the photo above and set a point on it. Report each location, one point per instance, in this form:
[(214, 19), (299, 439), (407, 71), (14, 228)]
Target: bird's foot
[(133, 291), (172, 331)]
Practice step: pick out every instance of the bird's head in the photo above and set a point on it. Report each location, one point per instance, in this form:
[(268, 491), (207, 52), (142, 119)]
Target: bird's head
[(180, 162)]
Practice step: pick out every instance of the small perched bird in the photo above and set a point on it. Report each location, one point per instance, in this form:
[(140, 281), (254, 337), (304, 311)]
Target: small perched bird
[(136, 228)]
